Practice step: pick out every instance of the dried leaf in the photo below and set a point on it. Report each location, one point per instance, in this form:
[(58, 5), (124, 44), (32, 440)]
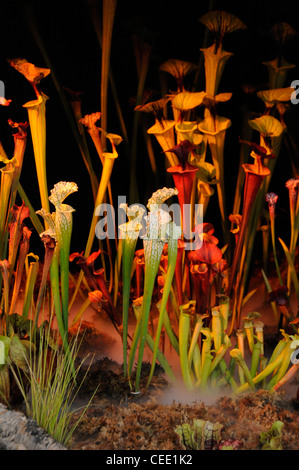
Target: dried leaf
[(153, 106), (19, 353), (30, 71)]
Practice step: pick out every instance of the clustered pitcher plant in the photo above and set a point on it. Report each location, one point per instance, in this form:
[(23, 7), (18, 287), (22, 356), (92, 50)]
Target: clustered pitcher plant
[(181, 280)]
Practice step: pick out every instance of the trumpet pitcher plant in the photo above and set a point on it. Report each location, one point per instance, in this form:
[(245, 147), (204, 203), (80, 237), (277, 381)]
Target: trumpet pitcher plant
[(157, 232), (60, 229)]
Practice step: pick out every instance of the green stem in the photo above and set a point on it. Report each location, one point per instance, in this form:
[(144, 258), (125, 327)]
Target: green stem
[(248, 326), (274, 251), (236, 353), (206, 345), (29, 287), (172, 257), (54, 277), (196, 359), (227, 375), (291, 267), (160, 356), (193, 343), (80, 312), (64, 231), (170, 334), (34, 219), (262, 375), (224, 312), (216, 328), (255, 358), (208, 358), (283, 366), (128, 251), (152, 254), (184, 329), (219, 356)]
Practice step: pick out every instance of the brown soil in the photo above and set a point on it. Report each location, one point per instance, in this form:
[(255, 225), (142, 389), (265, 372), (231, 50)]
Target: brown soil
[(118, 420)]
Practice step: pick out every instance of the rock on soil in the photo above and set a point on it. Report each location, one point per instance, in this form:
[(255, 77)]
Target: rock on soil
[(17, 432)]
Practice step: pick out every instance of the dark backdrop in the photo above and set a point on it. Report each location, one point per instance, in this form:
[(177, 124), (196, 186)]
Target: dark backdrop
[(174, 31)]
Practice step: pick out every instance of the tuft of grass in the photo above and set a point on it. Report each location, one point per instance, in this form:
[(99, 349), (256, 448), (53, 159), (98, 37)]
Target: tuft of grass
[(53, 386)]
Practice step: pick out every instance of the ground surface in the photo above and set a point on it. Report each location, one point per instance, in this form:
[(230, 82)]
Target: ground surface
[(116, 420)]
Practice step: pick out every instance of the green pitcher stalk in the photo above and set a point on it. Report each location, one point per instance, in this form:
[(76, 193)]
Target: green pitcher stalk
[(184, 331), (194, 339), (262, 375), (30, 284), (220, 354), (255, 358), (217, 328), (248, 327), (127, 262), (55, 290), (154, 241), (237, 355), (160, 356), (60, 229), (240, 342), (208, 358), (152, 253), (130, 232), (64, 224), (63, 227), (172, 250), (206, 344), (283, 366)]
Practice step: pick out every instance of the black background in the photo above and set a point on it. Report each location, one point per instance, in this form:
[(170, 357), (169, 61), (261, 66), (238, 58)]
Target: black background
[(174, 31)]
